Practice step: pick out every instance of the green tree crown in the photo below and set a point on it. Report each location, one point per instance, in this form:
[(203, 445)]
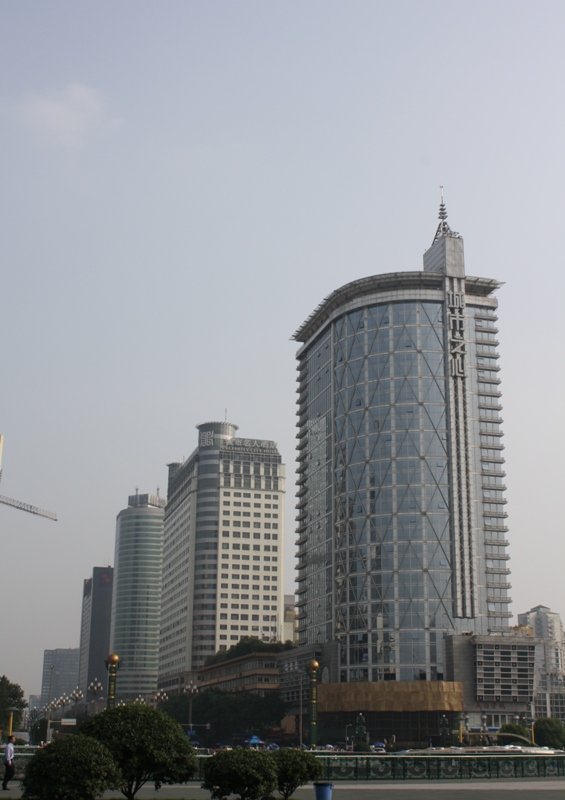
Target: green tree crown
[(70, 768), (249, 774), (146, 744), (294, 769)]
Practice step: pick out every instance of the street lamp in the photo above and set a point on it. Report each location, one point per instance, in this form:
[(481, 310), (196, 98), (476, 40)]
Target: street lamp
[(161, 697), (64, 701), (76, 697), (139, 700), (94, 688), (112, 665), (191, 689), (313, 668)]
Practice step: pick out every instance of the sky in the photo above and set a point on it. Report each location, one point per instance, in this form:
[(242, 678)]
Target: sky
[(182, 184)]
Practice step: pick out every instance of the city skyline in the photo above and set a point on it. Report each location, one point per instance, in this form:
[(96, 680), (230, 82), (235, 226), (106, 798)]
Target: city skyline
[(181, 188)]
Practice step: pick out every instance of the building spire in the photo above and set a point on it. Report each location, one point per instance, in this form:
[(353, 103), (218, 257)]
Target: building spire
[(443, 228)]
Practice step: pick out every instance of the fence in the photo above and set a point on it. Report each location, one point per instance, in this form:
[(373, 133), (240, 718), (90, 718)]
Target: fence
[(439, 767), (412, 767)]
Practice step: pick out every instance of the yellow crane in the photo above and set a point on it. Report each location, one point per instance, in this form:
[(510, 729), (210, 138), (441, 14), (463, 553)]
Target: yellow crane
[(16, 503)]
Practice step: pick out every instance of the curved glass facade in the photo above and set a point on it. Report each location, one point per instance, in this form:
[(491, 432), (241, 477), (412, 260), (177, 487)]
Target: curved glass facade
[(400, 497), (392, 550), (136, 600)]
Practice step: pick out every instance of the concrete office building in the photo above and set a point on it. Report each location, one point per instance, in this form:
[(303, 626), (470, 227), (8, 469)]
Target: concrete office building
[(95, 626), (497, 673), (547, 627), (137, 594), (60, 673), (223, 550), (401, 509)]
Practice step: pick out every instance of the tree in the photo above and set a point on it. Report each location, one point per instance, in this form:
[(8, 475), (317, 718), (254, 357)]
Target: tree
[(247, 645), (549, 732), (294, 769), (519, 733), (146, 744), (11, 696), (250, 774), (71, 768), (229, 713)]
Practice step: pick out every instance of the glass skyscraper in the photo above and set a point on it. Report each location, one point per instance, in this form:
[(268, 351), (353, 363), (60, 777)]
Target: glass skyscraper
[(136, 600), (95, 626), (401, 509)]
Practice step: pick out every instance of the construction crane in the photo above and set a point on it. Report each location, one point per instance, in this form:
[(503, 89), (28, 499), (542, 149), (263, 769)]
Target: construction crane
[(16, 503)]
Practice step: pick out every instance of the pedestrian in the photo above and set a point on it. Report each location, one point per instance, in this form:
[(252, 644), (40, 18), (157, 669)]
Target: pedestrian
[(9, 762)]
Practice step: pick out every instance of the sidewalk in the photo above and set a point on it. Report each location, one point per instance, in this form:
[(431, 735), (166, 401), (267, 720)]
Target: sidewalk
[(548, 789)]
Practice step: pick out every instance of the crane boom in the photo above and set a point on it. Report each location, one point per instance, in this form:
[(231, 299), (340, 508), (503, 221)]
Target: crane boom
[(16, 503), (26, 507)]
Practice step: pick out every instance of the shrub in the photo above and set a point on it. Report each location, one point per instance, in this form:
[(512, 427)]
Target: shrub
[(516, 730), (362, 747), (70, 768), (146, 744), (250, 774), (294, 769), (549, 732)]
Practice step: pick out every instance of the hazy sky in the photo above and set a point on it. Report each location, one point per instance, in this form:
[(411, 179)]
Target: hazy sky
[(183, 182)]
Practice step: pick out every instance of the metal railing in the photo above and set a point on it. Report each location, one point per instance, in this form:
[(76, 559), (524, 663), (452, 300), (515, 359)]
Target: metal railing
[(442, 767), (411, 767)]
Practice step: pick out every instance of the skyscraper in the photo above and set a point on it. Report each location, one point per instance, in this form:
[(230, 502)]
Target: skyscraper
[(60, 673), (222, 551), (95, 626), (401, 517), (137, 594)]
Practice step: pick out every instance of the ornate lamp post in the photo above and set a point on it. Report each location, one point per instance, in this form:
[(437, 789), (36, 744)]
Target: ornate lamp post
[(139, 701), (112, 665), (64, 701), (76, 697), (313, 668), (191, 689), (161, 697), (94, 688)]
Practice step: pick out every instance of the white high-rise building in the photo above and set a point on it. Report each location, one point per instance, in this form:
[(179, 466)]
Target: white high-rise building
[(222, 550)]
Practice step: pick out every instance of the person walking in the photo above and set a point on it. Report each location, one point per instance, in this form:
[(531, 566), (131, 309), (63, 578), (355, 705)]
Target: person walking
[(10, 770)]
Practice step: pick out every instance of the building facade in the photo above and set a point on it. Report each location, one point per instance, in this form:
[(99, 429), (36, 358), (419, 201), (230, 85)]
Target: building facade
[(136, 599), (497, 673), (60, 673), (401, 509), (95, 626), (223, 550), (547, 627)]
